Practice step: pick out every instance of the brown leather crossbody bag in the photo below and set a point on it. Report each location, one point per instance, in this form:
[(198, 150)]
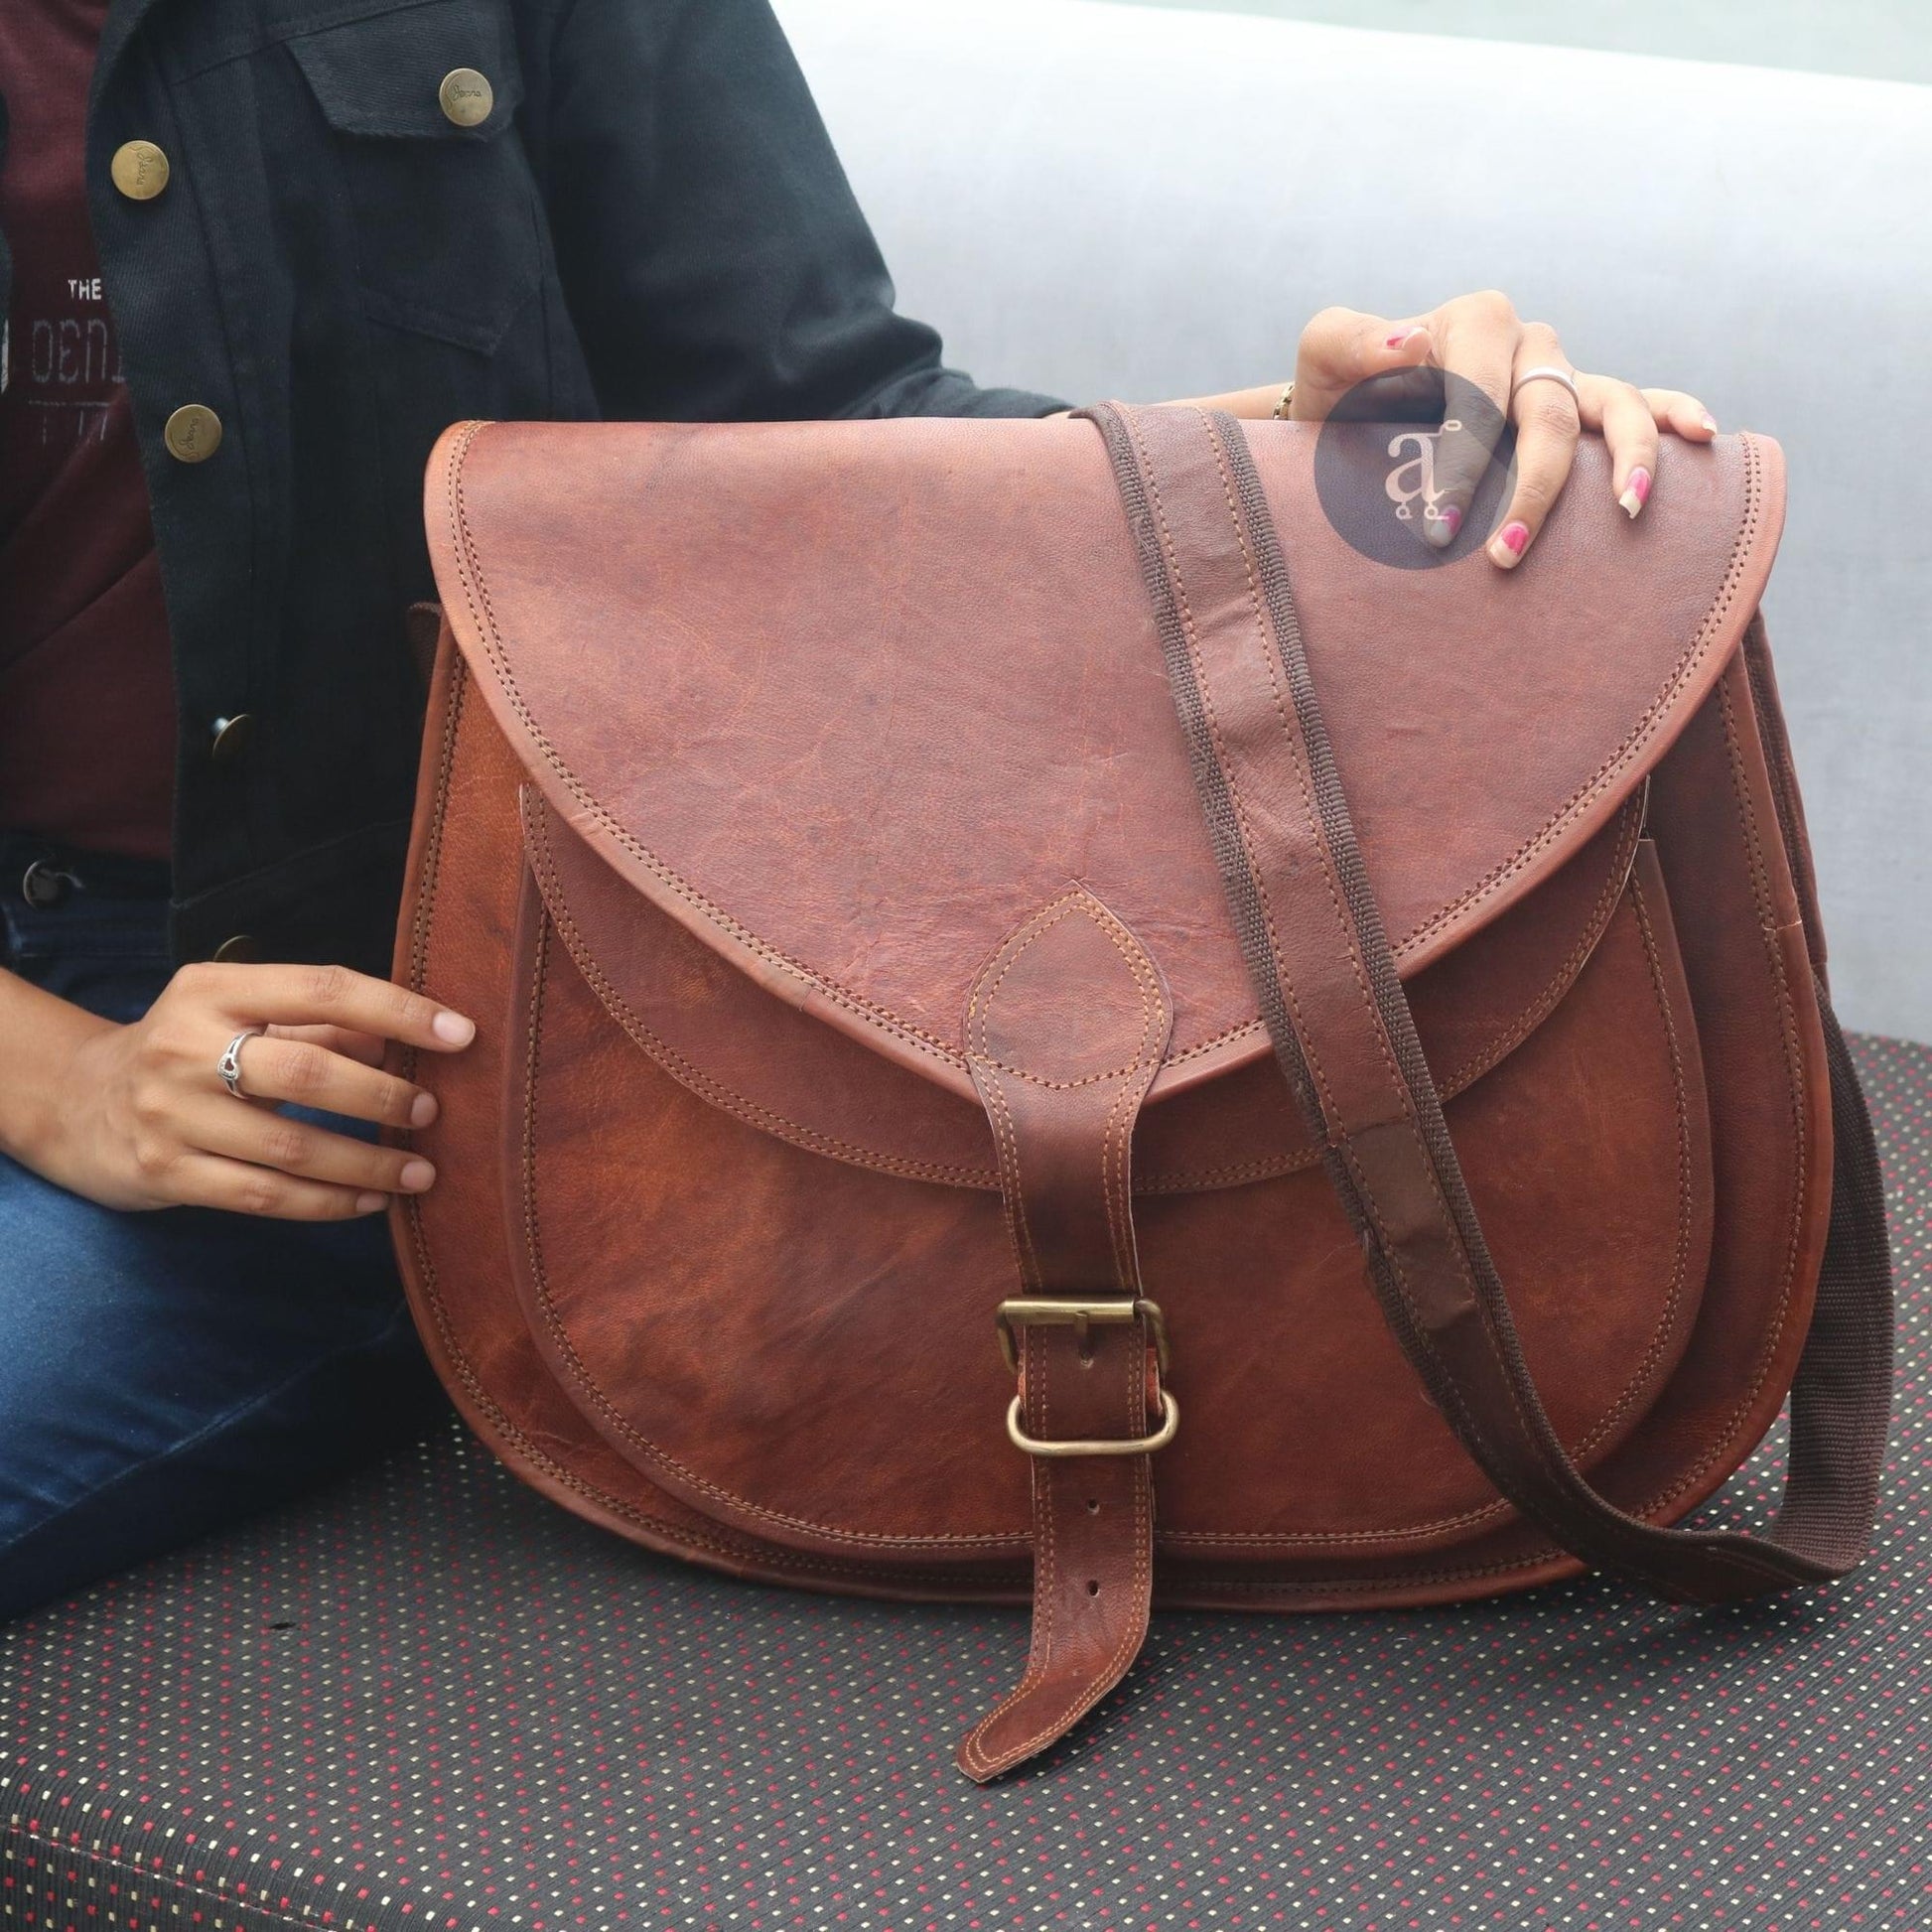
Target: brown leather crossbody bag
[(1019, 975)]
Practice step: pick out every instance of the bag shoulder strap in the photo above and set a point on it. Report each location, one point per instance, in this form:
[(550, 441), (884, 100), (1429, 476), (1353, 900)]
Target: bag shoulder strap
[(1346, 1043)]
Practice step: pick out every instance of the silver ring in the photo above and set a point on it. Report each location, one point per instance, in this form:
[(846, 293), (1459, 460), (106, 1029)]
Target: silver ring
[(1549, 373), (231, 1064)]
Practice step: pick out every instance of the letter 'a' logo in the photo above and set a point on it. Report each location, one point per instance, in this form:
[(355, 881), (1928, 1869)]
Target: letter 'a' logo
[(1413, 481), (1414, 469)]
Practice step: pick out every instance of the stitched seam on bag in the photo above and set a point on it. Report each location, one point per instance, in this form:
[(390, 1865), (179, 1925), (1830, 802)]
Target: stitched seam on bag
[(1180, 1181), (1615, 883), (978, 1019), (429, 873), (1157, 1182), (1686, 1203), (1776, 740), (1006, 1141), (725, 1547), (1013, 1194), (1611, 888), (1299, 759), (1633, 1386), (688, 1074), (1116, 1157), (433, 843), (580, 1370), (1646, 724), (1207, 1045), (1795, 1082)]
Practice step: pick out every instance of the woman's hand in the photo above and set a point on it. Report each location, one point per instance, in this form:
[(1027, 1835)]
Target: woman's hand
[(1481, 340), (138, 1116)]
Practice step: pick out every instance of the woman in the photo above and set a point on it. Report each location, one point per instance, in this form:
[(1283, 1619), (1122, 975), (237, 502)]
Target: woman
[(261, 253)]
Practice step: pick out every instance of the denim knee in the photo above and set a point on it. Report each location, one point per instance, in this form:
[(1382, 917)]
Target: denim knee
[(168, 1371)]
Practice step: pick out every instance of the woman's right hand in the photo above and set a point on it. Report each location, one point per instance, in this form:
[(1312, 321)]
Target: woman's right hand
[(138, 1115)]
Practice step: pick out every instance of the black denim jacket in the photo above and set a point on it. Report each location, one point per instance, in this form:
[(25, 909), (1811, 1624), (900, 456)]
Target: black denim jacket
[(649, 223)]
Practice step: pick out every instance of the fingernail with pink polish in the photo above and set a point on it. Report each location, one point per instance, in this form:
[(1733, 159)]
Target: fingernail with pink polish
[(1636, 492), (1710, 422), (1509, 542), (1441, 528), (1402, 336)]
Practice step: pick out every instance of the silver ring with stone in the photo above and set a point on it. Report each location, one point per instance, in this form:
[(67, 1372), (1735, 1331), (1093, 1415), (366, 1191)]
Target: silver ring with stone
[(230, 1062)]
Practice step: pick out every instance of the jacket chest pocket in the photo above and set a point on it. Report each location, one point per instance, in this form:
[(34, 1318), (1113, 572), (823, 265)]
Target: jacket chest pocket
[(449, 229)]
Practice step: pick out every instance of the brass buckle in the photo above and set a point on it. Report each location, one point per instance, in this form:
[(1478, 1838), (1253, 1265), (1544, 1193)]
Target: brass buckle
[(1023, 1311)]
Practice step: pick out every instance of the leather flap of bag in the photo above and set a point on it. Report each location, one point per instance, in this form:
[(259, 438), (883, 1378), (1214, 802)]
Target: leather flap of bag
[(848, 701)]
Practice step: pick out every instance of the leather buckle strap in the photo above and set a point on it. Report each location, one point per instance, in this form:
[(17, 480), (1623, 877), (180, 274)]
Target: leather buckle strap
[(1068, 1025)]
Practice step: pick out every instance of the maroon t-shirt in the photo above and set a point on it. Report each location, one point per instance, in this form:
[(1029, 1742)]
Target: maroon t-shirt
[(87, 691)]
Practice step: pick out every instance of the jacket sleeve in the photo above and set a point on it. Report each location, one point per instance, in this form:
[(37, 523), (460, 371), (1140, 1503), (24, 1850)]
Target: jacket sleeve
[(714, 260)]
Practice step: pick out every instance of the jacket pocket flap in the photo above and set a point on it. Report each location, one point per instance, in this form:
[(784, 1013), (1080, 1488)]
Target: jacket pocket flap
[(390, 75)]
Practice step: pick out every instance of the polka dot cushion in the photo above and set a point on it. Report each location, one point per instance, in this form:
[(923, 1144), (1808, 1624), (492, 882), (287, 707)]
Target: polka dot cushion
[(429, 1699)]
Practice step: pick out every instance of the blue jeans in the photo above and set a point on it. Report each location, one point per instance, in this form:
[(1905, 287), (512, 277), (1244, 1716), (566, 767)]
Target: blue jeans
[(162, 1374)]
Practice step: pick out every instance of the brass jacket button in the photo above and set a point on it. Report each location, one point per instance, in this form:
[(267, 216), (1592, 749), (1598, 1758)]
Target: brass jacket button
[(193, 433), (139, 169), (232, 736), (241, 950), (467, 96)]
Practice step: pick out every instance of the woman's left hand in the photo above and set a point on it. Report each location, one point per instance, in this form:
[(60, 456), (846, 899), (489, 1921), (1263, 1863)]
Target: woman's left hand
[(1481, 340)]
